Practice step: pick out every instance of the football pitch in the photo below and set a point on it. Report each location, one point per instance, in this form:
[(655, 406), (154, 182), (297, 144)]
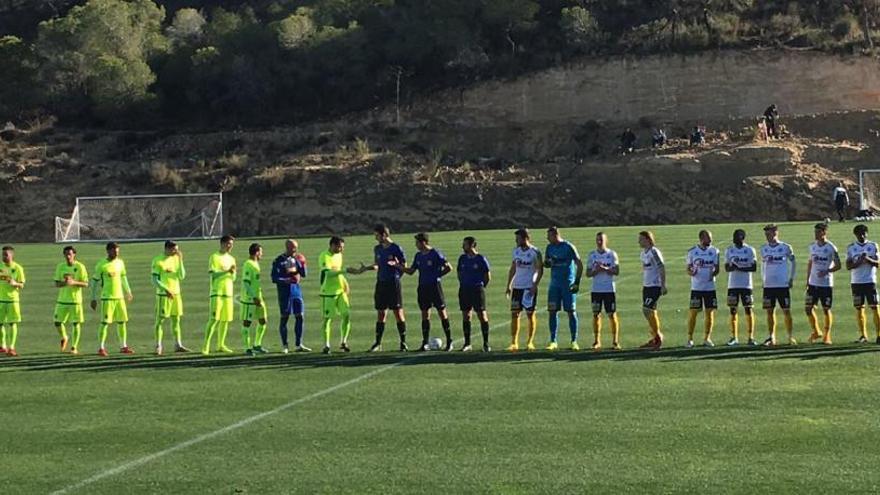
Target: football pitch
[(788, 419)]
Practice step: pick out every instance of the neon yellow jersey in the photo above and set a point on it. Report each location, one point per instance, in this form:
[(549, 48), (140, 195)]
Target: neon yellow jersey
[(250, 282), (71, 294), (221, 280), (331, 284), (170, 271), (110, 276), (13, 271)]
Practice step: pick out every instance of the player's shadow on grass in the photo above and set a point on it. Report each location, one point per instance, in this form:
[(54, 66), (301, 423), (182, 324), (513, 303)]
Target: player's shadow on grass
[(312, 361)]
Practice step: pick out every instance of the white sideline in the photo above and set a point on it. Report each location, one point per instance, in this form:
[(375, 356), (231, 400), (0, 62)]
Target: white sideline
[(234, 426)]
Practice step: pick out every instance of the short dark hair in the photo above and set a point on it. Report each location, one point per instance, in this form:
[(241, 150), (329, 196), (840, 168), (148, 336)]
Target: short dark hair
[(739, 232), (553, 229), (226, 238), (170, 244), (381, 228), (336, 240), (111, 245), (253, 248), (860, 229), (68, 248), (523, 232), (471, 240), (421, 237), (771, 226), (821, 226), (704, 232), (7, 248)]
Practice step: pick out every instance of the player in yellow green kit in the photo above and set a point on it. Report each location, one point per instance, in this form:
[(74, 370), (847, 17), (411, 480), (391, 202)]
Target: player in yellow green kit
[(110, 277), (221, 267), (70, 277), (335, 292), (253, 307), (11, 282), (166, 273)]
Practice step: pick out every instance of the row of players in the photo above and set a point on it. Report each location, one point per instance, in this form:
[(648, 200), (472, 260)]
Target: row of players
[(110, 289)]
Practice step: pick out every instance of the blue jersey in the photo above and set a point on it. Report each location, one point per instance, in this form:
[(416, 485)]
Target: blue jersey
[(561, 257), (430, 266), (472, 270), (288, 287), (381, 256)]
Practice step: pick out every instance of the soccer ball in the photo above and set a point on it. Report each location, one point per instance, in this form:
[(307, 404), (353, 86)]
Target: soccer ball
[(435, 344)]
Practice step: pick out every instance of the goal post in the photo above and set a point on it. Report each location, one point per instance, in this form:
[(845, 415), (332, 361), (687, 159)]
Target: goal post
[(143, 217)]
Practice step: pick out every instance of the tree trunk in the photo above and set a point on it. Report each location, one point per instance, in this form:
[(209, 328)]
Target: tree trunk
[(866, 27)]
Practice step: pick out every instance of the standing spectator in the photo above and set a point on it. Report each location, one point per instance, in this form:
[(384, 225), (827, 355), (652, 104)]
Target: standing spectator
[(658, 138), (841, 200), (627, 141), (699, 136), (771, 115)]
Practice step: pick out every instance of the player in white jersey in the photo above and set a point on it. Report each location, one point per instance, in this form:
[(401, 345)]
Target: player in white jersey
[(526, 271), (740, 261), (602, 266), (862, 261), (703, 264), (823, 262), (777, 272), (653, 286)]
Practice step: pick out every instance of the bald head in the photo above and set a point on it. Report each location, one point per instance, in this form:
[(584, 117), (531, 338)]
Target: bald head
[(291, 246)]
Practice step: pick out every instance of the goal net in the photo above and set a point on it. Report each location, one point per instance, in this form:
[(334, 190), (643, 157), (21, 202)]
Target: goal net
[(143, 217), (869, 190)]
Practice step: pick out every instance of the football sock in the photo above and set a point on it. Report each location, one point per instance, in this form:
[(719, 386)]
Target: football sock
[(401, 330), (298, 321), (862, 323), (615, 327), (771, 323), (62, 332), (261, 331), (325, 327), (814, 322), (750, 321), (282, 329), (734, 326), (553, 319), (246, 337), (692, 323), (876, 312), (122, 333), (222, 331), (829, 322), (484, 329), (654, 321), (210, 328), (3, 336), (447, 331), (466, 328), (346, 328), (426, 331), (573, 325), (533, 326), (710, 324), (102, 334), (13, 334), (789, 324), (597, 328), (380, 330), (76, 332), (158, 332), (176, 331), (514, 330)]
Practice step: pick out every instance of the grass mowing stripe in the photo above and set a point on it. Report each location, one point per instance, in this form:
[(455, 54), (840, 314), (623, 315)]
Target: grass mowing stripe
[(234, 426)]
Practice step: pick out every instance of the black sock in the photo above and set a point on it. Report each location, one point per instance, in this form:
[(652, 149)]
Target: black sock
[(484, 328), (466, 326), (380, 330), (446, 330), (282, 329), (426, 331), (401, 329)]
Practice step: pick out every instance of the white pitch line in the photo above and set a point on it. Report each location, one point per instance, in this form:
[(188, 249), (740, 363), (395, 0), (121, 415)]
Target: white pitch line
[(234, 426)]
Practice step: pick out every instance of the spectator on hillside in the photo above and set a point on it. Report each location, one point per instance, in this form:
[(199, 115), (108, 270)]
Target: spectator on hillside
[(658, 138), (627, 141), (698, 137), (772, 116), (761, 131), (841, 200)]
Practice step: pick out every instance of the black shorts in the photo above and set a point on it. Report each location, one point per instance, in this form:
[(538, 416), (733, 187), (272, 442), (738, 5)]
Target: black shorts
[(608, 300), (863, 293), (772, 295), (387, 295), (819, 295), (516, 300), (704, 299), (735, 296), (472, 298), (650, 296), (431, 296)]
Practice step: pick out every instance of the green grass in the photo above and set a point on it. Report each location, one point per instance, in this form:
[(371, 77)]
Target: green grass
[(783, 420)]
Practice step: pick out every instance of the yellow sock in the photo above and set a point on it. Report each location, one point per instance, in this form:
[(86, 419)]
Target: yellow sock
[(789, 324), (533, 326), (734, 325), (750, 321), (814, 322), (654, 321), (597, 328), (514, 330), (710, 323), (692, 323), (862, 323), (771, 323), (615, 328), (829, 321), (61, 331), (876, 311)]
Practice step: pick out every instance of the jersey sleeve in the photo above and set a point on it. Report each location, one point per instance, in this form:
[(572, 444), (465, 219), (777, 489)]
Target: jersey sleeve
[(574, 252), (303, 265), (59, 273), (21, 278), (616, 258), (154, 267), (399, 254), (213, 265), (657, 255), (275, 271), (485, 262)]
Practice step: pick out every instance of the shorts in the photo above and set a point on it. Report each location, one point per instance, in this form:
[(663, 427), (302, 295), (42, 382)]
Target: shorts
[(337, 305), (69, 313), (735, 296), (650, 297), (561, 297), (252, 312), (431, 296), (819, 295), (864, 293), (704, 299), (114, 311), (523, 299), (472, 298), (608, 300), (772, 295), (168, 306), (291, 303), (10, 312), (387, 295), (222, 308)]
